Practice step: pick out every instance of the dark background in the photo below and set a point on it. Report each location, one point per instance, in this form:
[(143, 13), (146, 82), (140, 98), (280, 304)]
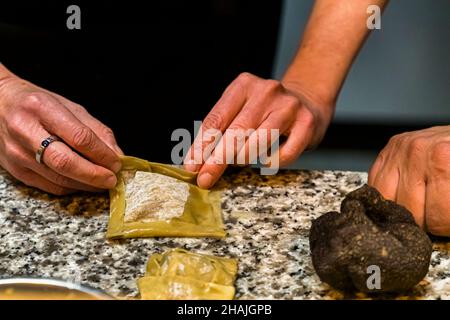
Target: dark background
[(144, 68)]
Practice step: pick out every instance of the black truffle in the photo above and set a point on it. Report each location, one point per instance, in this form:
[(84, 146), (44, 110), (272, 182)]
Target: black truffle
[(369, 231)]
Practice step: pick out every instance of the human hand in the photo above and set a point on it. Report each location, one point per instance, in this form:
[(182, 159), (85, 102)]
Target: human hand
[(250, 102), (414, 170), (86, 158)]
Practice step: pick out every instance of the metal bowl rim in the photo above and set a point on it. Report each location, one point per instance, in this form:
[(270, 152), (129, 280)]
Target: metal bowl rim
[(55, 283)]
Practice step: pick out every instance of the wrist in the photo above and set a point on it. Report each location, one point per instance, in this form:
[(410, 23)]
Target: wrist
[(321, 107), (314, 91)]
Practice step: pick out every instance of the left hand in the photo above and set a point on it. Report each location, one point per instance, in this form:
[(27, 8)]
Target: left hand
[(414, 170)]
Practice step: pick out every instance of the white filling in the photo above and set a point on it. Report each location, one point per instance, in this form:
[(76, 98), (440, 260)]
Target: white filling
[(154, 197)]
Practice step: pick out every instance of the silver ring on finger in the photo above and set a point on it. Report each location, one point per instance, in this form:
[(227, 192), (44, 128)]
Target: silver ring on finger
[(44, 144)]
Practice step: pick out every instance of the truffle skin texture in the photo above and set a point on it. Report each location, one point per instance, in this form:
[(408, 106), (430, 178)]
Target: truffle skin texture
[(369, 231)]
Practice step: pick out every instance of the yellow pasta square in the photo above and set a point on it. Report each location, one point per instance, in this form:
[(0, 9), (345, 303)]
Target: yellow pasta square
[(179, 274), (157, 200)]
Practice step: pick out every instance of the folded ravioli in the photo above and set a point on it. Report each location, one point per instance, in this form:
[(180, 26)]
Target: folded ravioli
[(153, 199), (179, 274)]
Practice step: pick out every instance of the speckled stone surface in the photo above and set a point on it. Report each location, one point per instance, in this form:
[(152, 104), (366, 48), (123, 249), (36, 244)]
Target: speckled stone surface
[(267, 220)]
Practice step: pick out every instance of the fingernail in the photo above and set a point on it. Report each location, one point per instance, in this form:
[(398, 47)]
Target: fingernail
[(205, 180), (110, 182), (116, 166)]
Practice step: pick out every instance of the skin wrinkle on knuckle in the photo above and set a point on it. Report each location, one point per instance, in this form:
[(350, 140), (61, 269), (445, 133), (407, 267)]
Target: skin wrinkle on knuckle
[(83, 138), (213, 121), (238, 127), (59, 160)]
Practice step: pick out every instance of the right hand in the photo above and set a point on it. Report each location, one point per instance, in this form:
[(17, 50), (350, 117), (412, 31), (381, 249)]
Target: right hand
[(87, 157), (253, 103)]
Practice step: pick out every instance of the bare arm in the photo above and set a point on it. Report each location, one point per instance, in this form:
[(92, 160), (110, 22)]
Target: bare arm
[(335, 32)]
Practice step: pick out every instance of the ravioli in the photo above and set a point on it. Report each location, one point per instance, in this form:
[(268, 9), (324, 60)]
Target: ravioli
[(159, 200), (178, 274)]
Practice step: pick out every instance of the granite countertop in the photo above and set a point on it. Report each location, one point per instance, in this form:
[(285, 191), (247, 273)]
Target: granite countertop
[(267, 219)]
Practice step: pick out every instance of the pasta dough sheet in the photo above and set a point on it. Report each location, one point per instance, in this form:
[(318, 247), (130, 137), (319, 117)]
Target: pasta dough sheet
[(156, 200), (179, 274)]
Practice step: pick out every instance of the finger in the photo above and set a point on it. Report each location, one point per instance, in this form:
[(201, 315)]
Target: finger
[(25, 159), (224, 153), (387, 175), (32, 179), (260, 141), (437, 206), (56, 178), (377, 165), (101, 130), (218, 119), (229, 145), (298, 139), (386, 182), (61, 159), (61, 122), (411, 194)]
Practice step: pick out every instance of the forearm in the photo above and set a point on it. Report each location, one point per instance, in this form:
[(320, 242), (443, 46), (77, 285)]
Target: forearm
[(334, 34)]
